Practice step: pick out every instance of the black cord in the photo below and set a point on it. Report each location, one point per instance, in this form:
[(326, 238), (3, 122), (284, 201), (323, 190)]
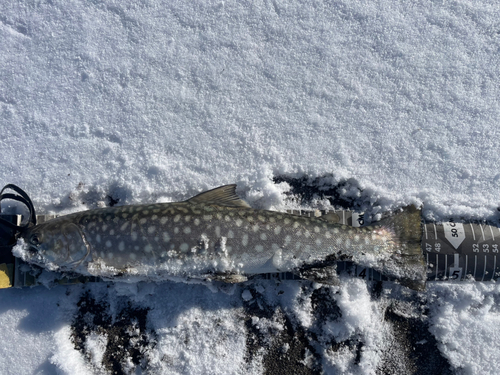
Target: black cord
[(19, 196)]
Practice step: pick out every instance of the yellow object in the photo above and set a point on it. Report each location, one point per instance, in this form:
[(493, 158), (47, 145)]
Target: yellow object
[(6, 275)]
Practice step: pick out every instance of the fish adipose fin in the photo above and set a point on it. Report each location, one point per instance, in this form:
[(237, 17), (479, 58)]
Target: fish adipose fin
[(221, 196), (408, 263)]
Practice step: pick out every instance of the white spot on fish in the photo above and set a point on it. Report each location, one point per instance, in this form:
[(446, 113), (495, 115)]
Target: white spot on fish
[(277, 230), (207, 217), (121, 246), (356, 238), (166, 237), (230, 234), (255, 228), (112, 232), (298, 245), (163, 220), (250, 219), (307, 234), (143, 220), (238, 222), (154, 217), (148, 248), (335, 230), (263, 236), (187, 230), (108, 243), (177, 218), (98, 238), (132, 256), (338, 241), (187, 218), (151, 229), (288, 239), (176, 230), (318, 242), (227, 218), (229, 249), (104, 227), (328, 234), (110, 255), (316, 229), (296, 225), (184, 247), (272, 219), (217, 231), (261, 218), (133, 235), (244, 240), (287, 221), (347, 243), (259, 248), (196, 221)]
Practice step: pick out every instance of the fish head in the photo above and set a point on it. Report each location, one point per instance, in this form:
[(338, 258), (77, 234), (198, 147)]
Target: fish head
[(55, 245)]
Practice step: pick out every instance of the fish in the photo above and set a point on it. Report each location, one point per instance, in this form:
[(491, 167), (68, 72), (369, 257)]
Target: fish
[(217, 236)]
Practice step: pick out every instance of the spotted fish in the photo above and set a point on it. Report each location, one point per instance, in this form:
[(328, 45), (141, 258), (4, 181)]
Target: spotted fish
[(218, 236)]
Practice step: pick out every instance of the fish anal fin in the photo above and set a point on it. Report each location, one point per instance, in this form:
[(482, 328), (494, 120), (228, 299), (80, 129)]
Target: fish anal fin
[(230, 278), (323, 275), (222, 196)]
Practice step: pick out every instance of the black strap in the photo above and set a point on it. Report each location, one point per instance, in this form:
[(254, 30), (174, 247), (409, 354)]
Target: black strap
[(22, 197)]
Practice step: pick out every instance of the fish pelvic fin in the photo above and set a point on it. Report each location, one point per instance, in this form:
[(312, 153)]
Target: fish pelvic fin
[(407, 264), (221, 196)]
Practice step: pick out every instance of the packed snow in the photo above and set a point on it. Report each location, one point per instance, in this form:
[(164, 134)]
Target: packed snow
[(390, 103)]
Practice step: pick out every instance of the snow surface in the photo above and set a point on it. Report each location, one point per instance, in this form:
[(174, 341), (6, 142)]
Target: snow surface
[(158, 100)]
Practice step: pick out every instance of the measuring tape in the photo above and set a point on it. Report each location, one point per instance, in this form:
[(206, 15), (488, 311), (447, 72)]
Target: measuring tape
[(461, 251)]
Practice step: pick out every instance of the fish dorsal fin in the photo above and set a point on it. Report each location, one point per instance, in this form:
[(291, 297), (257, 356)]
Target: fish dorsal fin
[(221, 196)]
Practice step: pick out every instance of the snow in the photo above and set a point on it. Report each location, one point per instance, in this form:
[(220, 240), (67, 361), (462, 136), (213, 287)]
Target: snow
[(393, 102)]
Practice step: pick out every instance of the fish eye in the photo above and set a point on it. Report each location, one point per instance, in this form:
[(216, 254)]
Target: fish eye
[(35, 239)]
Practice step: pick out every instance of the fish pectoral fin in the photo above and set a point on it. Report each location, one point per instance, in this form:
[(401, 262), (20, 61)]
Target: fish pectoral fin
[(230, 278), (324, 275), (222, 196)]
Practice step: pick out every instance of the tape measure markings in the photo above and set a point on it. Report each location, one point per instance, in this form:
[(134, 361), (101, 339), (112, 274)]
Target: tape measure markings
[(475, 266), (472, 230), (482, 231), (466, 264), (494, 267), (437, 265)]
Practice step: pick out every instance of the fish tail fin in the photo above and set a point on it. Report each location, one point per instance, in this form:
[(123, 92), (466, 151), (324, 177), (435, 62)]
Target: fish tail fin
[(407, 263)]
